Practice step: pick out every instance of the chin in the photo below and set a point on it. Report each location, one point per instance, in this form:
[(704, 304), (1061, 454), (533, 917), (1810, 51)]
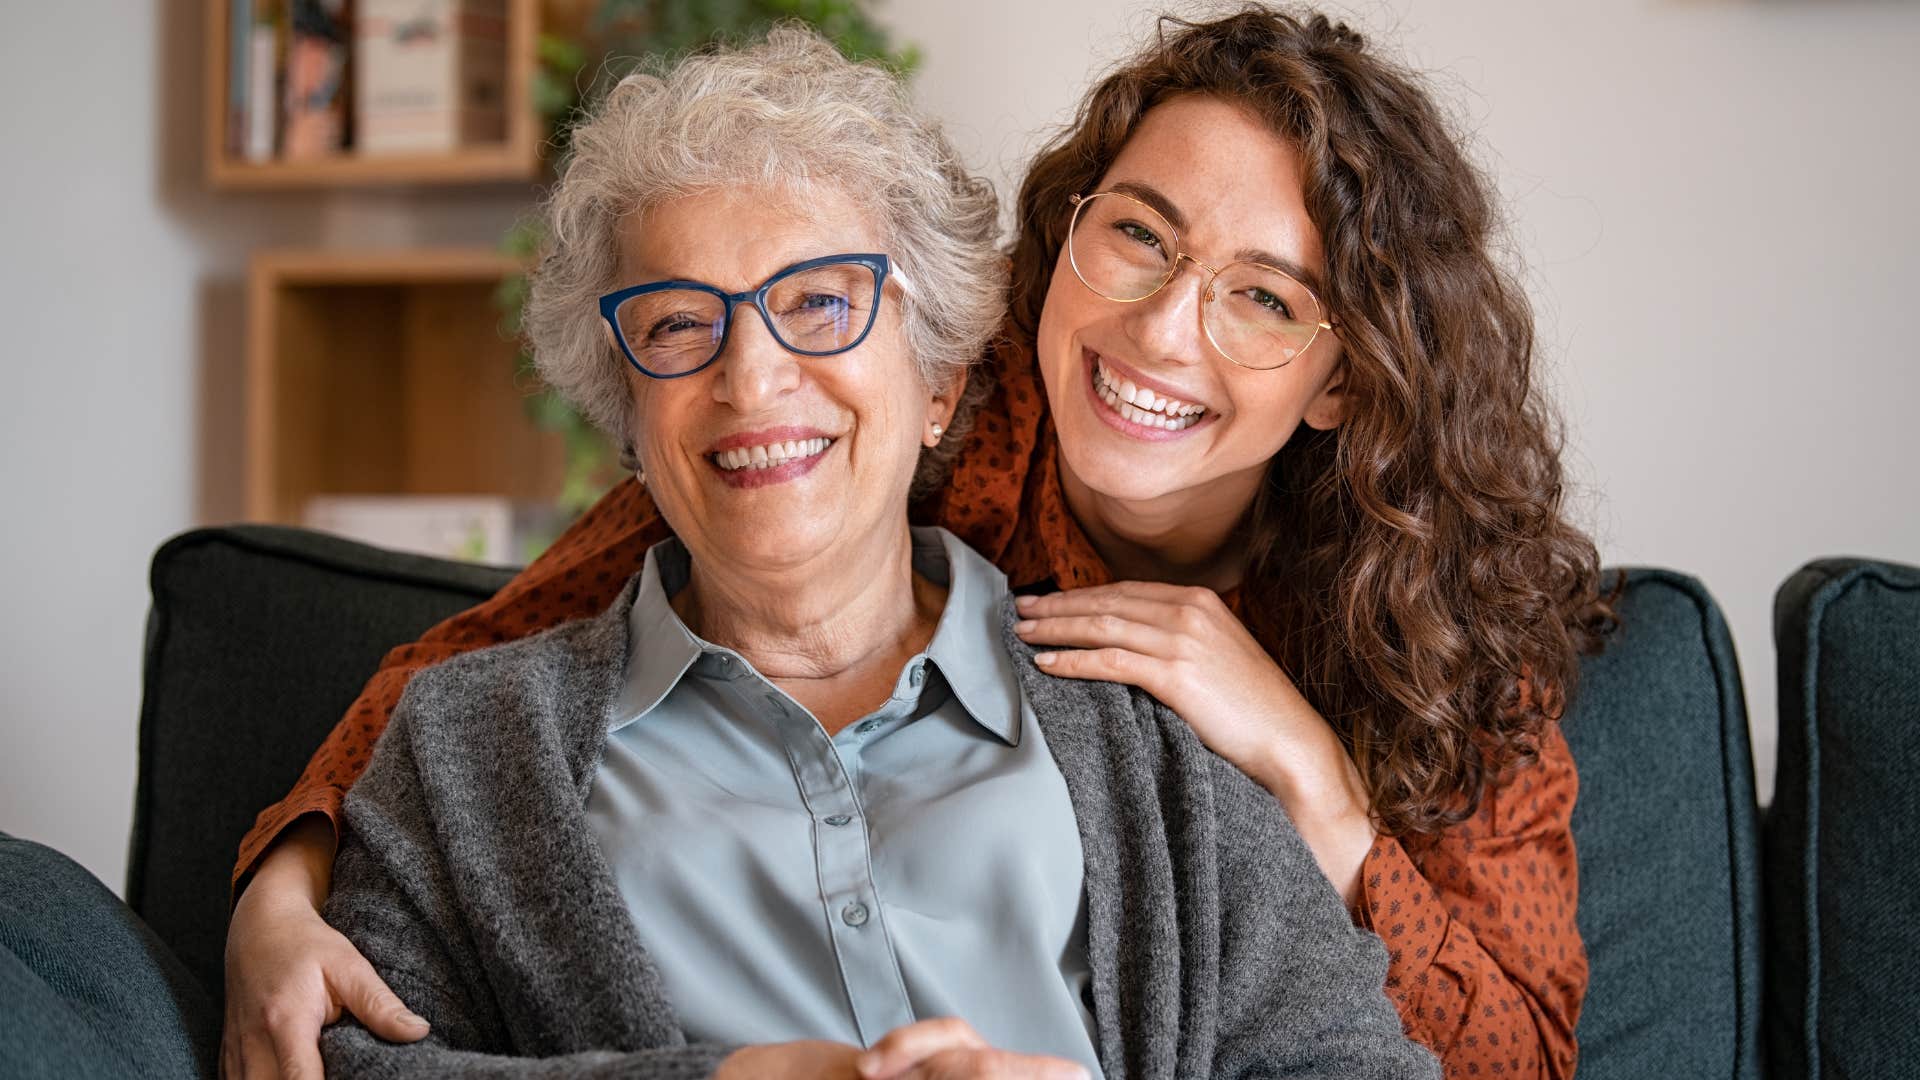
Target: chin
[(1115, 470), (770, 542)]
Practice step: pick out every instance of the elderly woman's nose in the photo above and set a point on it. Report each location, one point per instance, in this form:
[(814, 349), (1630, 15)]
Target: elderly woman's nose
[(754, 369)]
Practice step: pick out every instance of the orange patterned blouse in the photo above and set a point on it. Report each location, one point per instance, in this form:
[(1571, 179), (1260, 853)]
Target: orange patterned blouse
[(1486, 963)]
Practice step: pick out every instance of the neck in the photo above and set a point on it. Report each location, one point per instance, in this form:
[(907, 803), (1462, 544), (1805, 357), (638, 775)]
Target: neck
[(838, 616), (1182, 538)]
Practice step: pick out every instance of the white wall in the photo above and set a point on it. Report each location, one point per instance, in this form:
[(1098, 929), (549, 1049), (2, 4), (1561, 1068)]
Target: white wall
[(1706, 193), (120, 302), (1714, 201)]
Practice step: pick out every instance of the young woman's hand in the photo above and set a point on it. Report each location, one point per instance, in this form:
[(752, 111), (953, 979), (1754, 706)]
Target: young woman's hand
[(289, 974), (1183, 646)]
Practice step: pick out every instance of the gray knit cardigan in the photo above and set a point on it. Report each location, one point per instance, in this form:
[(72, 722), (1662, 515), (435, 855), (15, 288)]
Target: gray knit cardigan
[(470, 878)]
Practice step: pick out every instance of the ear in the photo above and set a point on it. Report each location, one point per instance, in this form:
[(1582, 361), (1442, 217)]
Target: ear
[(941, 405), (1328, 409)]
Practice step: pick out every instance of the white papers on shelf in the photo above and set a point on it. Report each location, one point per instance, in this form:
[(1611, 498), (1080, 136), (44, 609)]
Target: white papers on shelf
[(477, 528)]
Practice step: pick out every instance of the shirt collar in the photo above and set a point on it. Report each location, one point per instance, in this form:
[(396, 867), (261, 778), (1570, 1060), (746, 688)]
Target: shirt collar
[(965, 648), (966, 641), (660, 648)]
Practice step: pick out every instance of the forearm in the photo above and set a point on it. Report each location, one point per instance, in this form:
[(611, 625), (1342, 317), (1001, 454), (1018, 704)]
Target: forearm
[(1503, 997), (300, 862), (1301, 984), (1320, 788)]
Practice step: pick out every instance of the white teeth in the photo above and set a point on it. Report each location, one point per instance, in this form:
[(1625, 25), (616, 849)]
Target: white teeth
[(1141, 406), (771, 454)]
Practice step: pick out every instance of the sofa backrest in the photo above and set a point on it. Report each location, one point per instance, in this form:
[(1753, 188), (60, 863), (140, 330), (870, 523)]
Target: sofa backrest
[(1843, 888), (1667, 835), (261, 637), (257, 641)]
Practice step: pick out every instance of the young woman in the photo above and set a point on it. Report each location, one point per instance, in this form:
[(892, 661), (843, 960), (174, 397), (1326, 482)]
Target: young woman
[(1265, 442)]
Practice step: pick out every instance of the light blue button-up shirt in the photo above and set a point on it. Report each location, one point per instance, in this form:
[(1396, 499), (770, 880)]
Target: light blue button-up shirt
[(924, 862)]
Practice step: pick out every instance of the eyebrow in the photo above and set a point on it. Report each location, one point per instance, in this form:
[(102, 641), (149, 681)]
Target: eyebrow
[(1162, 205)]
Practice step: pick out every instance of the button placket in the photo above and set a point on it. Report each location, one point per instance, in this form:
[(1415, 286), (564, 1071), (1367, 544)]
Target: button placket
[(863, 949)]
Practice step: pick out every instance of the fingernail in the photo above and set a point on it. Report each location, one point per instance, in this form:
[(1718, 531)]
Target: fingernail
[(1024, 602), (1024, 626), (1044, 659), (866, 1064), (412, 1019)]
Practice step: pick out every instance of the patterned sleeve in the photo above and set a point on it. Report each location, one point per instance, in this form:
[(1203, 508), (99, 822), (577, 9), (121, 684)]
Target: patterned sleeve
[(1485, 961), (579, 575)]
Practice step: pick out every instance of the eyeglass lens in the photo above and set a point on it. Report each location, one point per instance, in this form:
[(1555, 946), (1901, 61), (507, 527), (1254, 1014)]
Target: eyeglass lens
[(824, 309), (1125, 250)]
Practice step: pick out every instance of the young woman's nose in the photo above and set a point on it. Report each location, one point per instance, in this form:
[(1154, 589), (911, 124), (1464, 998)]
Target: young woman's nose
[(1166, 325)]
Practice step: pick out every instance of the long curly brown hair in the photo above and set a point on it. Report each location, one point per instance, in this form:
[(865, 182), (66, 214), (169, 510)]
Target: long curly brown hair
[(1412, 568)]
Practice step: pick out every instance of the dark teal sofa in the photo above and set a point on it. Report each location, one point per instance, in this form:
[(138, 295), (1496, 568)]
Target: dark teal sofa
[(260, 637)]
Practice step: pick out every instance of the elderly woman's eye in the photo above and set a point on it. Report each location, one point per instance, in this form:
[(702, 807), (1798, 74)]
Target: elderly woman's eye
[(676, 324), (822, 302)]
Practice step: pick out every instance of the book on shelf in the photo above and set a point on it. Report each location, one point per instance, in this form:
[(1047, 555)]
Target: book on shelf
[(239, 43), (265, 19), (430, 75), (316, 112), (310, 79)]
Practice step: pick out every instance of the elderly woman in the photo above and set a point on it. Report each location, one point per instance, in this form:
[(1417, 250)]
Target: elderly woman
[(799, 803)]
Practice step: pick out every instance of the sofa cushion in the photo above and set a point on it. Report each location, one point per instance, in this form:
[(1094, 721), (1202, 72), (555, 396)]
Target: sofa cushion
[(258, 639), (85, 988), (1668, 844), (1845, 823)]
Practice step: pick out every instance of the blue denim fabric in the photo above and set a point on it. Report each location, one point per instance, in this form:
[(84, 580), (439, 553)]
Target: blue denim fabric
[(85, 988)]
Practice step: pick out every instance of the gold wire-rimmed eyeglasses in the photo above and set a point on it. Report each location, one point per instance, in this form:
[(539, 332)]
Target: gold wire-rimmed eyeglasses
[(1257, 316)]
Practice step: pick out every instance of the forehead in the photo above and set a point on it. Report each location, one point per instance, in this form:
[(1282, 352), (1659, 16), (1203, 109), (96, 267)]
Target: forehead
[(1236, 182), (736, 238)]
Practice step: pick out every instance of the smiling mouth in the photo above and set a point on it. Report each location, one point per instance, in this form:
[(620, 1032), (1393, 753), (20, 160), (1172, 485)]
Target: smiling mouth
[(769, 455), (1141, 406)]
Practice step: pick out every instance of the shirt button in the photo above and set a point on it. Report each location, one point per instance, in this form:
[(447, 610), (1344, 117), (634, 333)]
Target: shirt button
[(868, 727), (839, 819), (854, 914)]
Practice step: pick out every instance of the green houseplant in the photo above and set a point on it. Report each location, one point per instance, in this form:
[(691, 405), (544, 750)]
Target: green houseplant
[(573, 71)]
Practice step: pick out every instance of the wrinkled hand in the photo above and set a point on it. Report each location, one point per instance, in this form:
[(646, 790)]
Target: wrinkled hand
[(1183, 646), (289, 974), (929, 1050), (949, 1049)]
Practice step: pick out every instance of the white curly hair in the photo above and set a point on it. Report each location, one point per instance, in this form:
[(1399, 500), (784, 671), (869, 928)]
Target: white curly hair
[(789, 110)]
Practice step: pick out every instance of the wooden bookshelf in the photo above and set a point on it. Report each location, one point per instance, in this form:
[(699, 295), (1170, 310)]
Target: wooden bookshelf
[(517, 159), (378, 373)]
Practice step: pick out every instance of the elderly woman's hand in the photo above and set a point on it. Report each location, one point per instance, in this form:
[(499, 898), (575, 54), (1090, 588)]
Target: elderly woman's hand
[(289, 974), (949, 1049), (945, 1049), (1183, 646)]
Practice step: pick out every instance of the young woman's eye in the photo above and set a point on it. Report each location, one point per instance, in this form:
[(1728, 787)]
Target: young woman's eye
[(1140, 234), (1269, 301)]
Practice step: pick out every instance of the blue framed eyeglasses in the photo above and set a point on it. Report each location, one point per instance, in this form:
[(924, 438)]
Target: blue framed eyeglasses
[(820, 307)]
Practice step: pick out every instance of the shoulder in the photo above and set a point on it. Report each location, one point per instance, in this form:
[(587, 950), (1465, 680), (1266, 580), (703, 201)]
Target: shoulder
[(1534, 796), (505, 688)]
